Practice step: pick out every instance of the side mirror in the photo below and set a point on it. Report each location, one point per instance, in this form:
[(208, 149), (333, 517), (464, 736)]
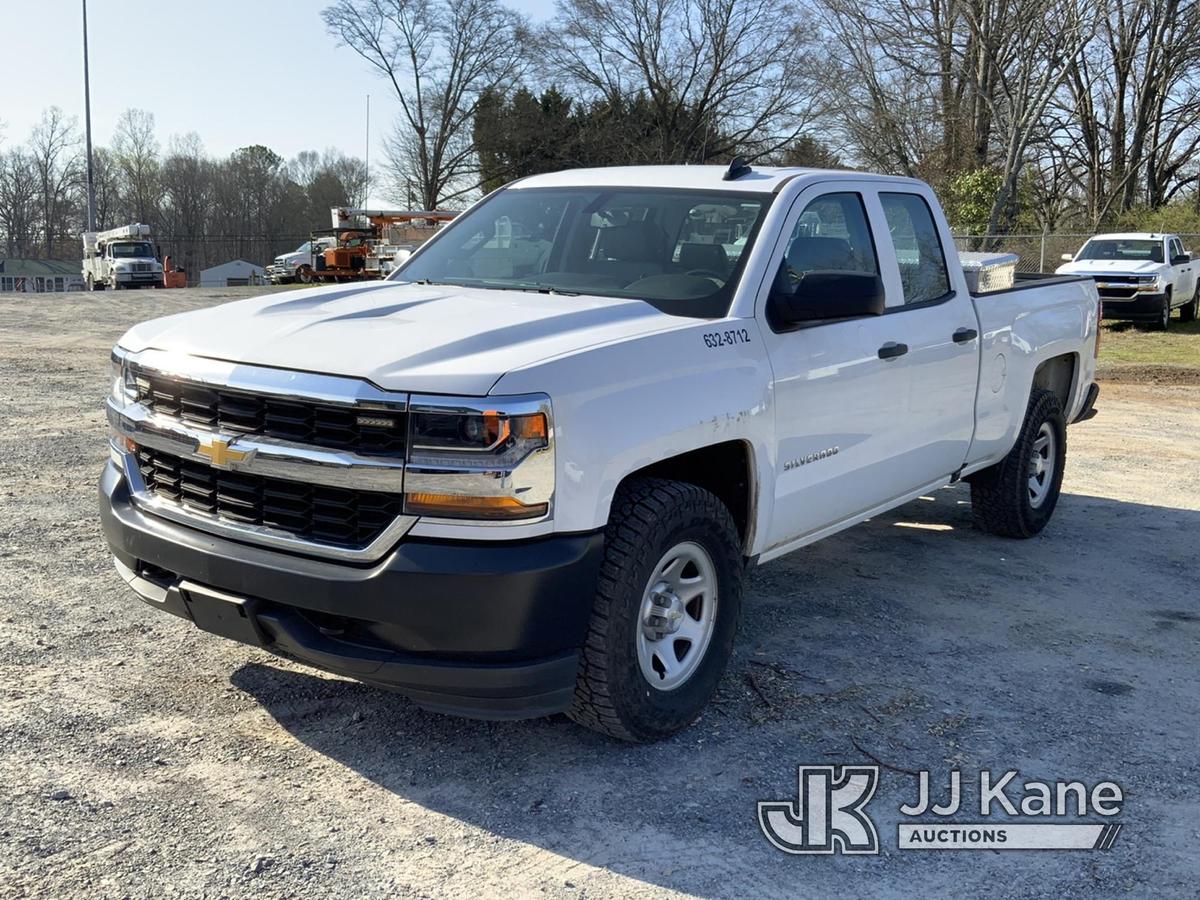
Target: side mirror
[(828, 295), (1067, 257), (1181, 259)]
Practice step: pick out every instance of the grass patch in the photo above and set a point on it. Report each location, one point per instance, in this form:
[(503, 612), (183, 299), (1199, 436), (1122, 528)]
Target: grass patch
[(1124, 343)]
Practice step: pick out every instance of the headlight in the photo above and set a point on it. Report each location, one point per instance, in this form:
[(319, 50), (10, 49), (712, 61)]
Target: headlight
[(123, 386), (122, 392), (1148, 282), (480, 459)]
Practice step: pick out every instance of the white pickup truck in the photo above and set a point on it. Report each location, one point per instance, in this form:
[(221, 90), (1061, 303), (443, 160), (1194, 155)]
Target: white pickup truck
[(296, 265), (1141, 277), (527, 473)]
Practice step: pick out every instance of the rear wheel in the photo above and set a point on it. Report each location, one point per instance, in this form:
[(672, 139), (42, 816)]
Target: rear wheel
[(1191, 312), (1016, 497), (665, 614)]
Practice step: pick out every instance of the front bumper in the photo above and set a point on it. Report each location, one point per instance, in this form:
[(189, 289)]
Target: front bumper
[(489, 630), (1141, 308)]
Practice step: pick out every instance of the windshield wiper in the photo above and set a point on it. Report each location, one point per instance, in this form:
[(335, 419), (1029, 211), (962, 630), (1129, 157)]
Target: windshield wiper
[(529, 286), (547, 289)]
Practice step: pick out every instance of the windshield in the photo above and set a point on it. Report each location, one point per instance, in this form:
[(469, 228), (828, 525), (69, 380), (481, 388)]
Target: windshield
[(1123, 250), (131, 249), (306, 247), (681, 251)]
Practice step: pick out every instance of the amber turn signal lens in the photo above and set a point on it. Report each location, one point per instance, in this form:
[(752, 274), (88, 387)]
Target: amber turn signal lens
[(530, 427), (460, 505)]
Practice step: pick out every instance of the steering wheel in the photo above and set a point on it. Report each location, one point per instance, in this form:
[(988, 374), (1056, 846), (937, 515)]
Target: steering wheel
[(709, 274)]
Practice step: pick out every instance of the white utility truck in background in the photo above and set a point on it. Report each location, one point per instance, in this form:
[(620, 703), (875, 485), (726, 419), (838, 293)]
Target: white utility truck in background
[(289, 267), (120, 258), (1141, 277), (527, 473)]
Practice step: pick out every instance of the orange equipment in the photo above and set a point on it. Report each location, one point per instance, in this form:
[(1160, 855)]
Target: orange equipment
[(363, 250), (173, 277)]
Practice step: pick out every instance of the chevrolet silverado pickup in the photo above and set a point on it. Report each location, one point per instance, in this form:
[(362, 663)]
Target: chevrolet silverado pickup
[(1140, 277), (527, 473)]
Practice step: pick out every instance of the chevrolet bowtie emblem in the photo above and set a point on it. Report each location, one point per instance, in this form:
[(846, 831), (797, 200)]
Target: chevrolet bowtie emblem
[(218, 452)]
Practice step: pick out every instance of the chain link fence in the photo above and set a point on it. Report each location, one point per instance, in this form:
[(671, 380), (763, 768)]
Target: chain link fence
[(1040, 252)]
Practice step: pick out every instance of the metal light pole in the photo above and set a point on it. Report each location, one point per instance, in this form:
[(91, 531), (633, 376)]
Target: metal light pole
[(87, 129), (367, 158)]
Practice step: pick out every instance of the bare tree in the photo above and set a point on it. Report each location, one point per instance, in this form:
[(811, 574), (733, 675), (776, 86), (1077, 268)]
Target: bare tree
[(439, 56), (939, 88), (721, 76), (55, 150), (19, 202), (1130, 119), (1042, 38), (135, 150), (187, 208)]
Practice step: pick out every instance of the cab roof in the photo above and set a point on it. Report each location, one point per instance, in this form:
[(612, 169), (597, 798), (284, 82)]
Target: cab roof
[(1133, 236), (760, 179)]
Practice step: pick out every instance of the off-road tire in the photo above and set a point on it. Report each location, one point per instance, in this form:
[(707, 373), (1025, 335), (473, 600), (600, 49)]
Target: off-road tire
[(1191, 312), (1000, 501), (649, 517)]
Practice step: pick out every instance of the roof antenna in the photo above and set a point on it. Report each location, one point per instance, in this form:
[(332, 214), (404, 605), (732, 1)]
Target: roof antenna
[(737, 168)]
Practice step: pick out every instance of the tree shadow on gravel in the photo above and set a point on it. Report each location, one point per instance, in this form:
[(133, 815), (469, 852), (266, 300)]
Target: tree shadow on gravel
[(913, 641)]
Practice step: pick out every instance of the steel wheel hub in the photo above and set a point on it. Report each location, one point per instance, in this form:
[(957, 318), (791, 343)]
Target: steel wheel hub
[(1041, 465), (677, 616)]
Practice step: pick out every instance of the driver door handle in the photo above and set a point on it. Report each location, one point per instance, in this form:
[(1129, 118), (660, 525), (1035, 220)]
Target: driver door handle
[(963, 335), (892, 349)]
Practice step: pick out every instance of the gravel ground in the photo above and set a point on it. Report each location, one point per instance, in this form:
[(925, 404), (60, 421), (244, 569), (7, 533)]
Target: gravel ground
[(144, 758)]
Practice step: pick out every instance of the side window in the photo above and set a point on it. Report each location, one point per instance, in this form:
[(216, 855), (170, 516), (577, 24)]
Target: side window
[(1176, 248), (918, 248), (831, 235)]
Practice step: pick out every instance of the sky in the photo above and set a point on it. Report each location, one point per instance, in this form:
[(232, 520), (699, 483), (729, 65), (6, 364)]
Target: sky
[(236, 72)]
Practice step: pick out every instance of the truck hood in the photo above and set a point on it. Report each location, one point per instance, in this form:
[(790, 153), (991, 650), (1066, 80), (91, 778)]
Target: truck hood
[(1109, 267), (402, 337)]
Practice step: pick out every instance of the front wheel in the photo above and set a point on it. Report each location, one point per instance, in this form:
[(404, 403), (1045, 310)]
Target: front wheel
[(1164, 314), (665, 614), (1017, 496)]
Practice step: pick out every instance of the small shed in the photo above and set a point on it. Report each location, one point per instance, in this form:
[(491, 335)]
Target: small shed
[(40, 276), (235, 273)]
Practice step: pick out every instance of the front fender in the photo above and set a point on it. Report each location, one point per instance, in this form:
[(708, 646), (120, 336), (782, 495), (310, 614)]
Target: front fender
[(622, 406)]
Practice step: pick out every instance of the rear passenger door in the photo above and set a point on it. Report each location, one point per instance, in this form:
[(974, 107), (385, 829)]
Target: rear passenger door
[(940, 327), (1185, 274)]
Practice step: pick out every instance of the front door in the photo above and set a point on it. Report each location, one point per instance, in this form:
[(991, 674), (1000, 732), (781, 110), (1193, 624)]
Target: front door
[(858, 402)]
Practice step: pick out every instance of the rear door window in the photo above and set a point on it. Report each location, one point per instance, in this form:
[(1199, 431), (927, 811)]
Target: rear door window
[(922, 261)]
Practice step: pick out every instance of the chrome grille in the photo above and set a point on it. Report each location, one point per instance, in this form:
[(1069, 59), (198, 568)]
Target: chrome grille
[(368, 433), (318, 513)]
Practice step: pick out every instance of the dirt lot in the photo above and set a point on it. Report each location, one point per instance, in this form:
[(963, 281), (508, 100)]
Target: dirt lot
[(143, 758)]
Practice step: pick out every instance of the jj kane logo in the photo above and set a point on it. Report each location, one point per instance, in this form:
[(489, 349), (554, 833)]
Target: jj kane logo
[(829, 814)]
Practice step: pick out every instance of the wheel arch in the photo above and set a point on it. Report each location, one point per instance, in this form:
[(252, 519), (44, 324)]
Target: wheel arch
[(1058, 374), (726, 469)]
